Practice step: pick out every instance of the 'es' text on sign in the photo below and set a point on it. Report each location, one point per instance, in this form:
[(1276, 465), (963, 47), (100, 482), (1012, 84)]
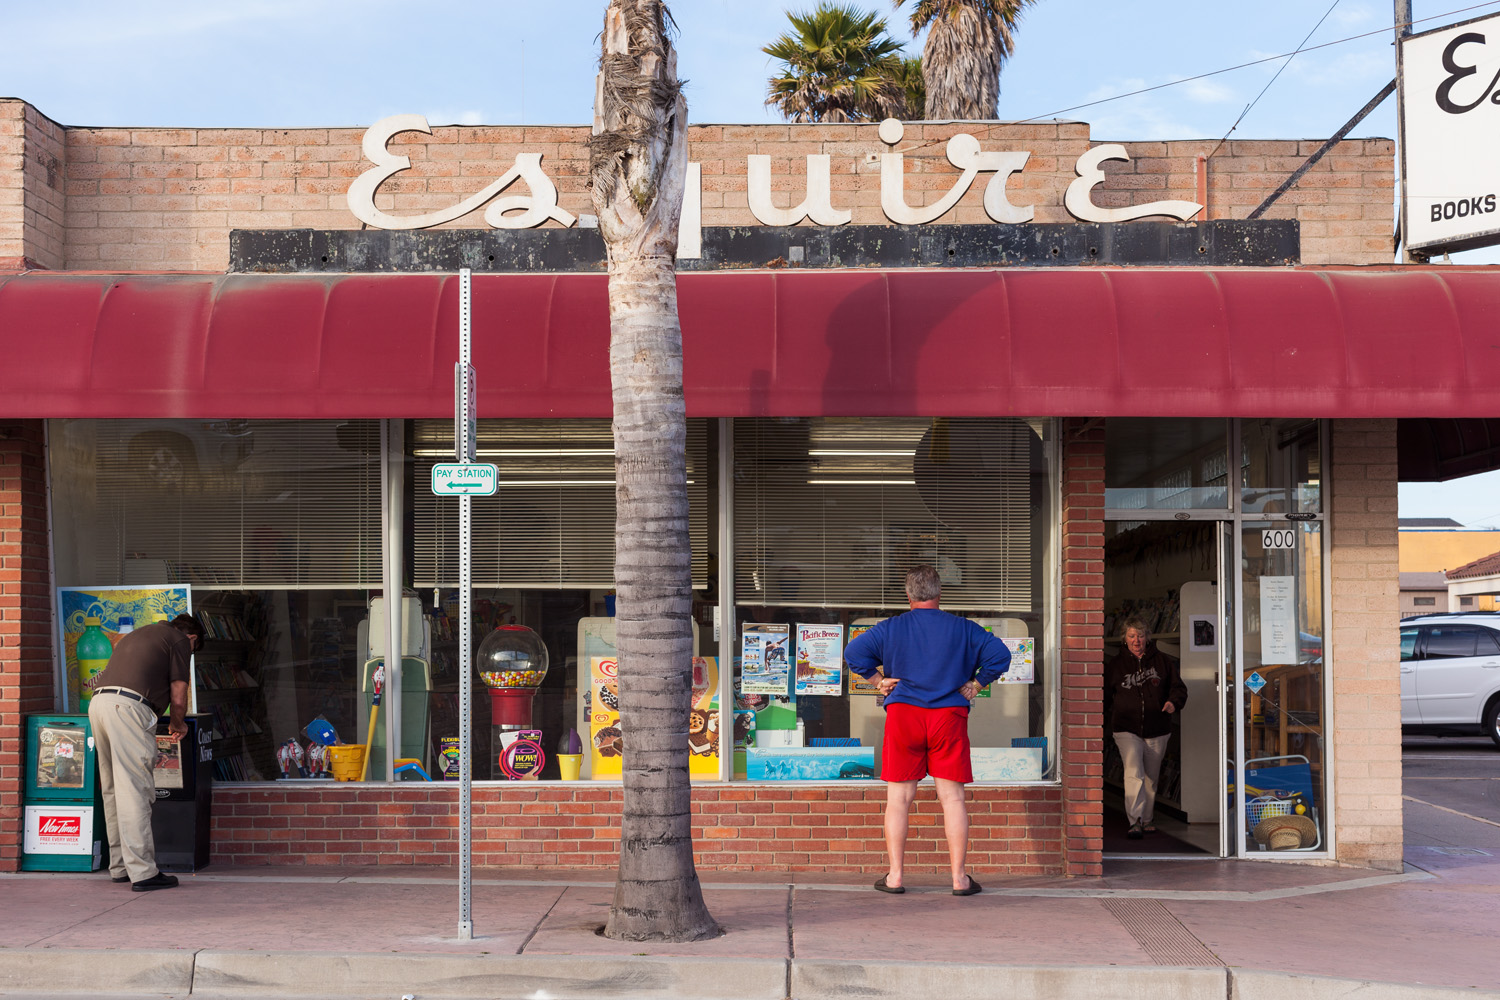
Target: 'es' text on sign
[(453, 479)]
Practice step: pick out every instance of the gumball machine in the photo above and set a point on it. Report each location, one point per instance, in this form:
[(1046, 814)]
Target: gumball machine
[(512, 662)]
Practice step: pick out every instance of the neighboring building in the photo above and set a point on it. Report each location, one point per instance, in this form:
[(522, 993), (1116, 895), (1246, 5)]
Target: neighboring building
[(1423, 593), (1474, 586), (1430, 547), (215, 357), (1437, 544)]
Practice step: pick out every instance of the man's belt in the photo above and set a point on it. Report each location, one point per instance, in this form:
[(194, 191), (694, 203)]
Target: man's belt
[(125, 693)]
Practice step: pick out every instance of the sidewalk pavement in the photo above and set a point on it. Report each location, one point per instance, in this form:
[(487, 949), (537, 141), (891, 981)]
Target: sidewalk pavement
[(1167, 930)]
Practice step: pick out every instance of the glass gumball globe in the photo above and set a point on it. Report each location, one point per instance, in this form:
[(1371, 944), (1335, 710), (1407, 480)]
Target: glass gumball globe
[(512, 656)]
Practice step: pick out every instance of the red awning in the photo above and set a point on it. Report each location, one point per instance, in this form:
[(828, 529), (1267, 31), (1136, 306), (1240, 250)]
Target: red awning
[(1308, 342)]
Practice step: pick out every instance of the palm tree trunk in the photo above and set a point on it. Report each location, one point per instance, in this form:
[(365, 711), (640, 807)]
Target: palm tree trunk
[(638, 169), (961, 65)]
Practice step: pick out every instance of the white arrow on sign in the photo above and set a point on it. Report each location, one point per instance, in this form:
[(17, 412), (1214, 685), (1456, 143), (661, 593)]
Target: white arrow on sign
[(453, 479)]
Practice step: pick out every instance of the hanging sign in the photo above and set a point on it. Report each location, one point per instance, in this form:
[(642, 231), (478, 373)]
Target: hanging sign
[(1450, 136)]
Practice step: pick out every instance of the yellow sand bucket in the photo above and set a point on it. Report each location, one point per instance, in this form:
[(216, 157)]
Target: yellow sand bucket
[(346, 761)]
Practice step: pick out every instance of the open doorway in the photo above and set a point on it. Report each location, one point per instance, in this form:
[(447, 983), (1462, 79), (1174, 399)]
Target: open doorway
[(1167, 575)]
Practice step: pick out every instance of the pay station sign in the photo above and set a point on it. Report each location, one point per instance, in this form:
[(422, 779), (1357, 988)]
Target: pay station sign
[(456, 479)]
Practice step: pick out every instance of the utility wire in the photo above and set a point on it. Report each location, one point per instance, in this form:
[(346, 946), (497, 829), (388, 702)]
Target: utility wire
[(1216, 72), (1273, 79)]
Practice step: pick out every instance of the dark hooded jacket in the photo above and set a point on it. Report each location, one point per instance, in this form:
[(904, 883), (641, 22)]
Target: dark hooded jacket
[(1136, 689)]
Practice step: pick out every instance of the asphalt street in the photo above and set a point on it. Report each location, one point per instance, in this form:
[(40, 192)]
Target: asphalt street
[(1451, 787)]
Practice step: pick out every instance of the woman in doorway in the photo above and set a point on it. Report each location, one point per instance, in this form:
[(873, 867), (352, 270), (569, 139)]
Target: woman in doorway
[(1143, 689)]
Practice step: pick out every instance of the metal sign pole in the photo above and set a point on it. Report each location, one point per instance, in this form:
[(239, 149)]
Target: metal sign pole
[(465, 447)]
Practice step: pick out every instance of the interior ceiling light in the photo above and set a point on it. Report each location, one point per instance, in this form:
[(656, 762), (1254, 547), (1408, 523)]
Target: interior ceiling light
[(518, 452), (830, 452), (861, 482)]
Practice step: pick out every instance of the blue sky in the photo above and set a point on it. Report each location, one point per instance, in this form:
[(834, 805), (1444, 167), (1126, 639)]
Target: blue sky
[(288, 63)]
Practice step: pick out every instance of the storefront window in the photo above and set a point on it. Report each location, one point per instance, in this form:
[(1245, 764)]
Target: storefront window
[(271, 527), (543, 559), (1166, 464), (1281, 467), (829, 514)]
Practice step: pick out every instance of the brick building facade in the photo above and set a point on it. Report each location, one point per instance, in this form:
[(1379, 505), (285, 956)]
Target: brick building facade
[(123, 200)]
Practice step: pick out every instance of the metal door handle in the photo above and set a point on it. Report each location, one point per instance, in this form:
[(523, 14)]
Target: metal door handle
[(1410, 670)]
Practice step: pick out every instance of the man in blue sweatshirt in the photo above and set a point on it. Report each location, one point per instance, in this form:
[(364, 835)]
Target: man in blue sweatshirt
[(931, 665)]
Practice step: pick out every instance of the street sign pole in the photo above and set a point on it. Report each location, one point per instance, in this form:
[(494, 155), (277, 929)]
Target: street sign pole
[(464, 430)]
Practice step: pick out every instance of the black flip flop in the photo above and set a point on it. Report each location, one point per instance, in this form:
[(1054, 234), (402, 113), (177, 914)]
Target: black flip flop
[(973, 888), (893, 889)]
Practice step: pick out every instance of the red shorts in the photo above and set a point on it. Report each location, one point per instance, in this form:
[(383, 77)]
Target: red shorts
[(923, 741)]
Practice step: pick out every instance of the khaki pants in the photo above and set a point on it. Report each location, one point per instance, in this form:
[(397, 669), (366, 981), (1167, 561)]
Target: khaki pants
[(1142, 759), (125, 748)]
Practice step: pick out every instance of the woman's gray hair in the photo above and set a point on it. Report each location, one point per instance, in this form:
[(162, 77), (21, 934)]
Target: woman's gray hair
[(1138, 623), (923, 584)]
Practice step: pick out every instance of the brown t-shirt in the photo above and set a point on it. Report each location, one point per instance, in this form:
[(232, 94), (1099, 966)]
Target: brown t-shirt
[(147, 661)]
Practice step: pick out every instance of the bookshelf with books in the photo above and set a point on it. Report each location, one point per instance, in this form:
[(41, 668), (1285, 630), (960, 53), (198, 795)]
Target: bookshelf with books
[(228, 675)]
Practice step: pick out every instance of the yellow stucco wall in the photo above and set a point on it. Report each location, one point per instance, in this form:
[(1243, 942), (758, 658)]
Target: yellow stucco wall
[(1436, 551)]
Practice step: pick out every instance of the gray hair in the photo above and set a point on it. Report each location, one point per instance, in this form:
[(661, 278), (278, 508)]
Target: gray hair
[(1138, 623), (923, 584)]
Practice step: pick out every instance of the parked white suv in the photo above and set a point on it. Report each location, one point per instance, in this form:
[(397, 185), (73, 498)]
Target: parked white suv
[(1450, 673)]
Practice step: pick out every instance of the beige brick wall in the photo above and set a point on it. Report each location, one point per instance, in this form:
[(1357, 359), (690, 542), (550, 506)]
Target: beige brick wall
[(31, 188), (1365, 651), (12, 185), (167, 198), (1345, 203)]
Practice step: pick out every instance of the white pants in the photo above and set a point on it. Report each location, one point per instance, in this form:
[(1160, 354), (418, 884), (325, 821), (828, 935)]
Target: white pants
[(1142, 760), (125, 747)]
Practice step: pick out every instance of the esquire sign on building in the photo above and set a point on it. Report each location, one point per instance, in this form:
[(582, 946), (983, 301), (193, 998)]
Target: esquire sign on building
[(1450, 129)]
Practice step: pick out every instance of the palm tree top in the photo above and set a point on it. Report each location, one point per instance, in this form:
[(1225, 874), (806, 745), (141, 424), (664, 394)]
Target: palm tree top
[(1004, 14), (838, 65)]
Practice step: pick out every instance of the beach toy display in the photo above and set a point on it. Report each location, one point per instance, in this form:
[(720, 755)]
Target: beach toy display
[(512, 663)]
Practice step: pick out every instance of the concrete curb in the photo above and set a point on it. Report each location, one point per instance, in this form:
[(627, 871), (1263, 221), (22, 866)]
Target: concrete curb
[(558, 977), (1253, 984), (812, 980), (91, 970), (67, 972)]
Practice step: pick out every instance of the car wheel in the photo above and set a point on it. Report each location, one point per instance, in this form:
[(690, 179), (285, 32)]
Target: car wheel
[(164, 459), (1492, 720)]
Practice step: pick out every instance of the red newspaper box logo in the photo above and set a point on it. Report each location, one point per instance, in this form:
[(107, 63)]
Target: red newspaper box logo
[(61, 826)]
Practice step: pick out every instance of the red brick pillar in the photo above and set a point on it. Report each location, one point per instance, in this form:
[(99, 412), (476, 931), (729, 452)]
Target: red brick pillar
[(1082, 751), (26, 671)]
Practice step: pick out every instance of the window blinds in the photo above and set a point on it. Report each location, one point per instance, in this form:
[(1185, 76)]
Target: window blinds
[(266, 504), (551, 522), (832, 512)]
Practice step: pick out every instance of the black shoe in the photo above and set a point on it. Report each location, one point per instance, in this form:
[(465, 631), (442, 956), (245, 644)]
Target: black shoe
[(117, 879), (157, 881), (972, 888), (894, 889)]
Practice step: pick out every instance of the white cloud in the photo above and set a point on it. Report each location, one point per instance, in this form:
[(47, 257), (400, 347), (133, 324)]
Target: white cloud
[(1209, 91), (449, 117)]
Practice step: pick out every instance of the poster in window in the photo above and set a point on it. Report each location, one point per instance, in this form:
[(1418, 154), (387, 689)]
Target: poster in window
[(606, 738), (1022, 661), (857, 684), (140, 605), (820, 659), (765, 661), (1278, 619)]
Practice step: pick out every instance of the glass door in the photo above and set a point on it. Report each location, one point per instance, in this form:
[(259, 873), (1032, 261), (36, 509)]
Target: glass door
[(1278, 789)]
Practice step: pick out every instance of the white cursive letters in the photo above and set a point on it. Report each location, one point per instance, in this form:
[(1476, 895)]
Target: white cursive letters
[(1080, 203), (534, 209), (964, 153), (818, 205)]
